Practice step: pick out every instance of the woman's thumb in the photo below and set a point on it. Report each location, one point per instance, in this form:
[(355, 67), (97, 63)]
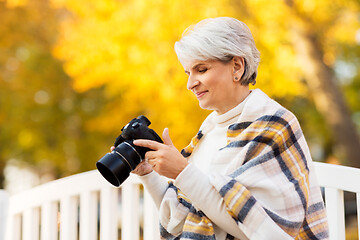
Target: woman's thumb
[(166, 137)]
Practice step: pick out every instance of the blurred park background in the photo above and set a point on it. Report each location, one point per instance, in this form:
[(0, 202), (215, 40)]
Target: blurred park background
[(74, 72)]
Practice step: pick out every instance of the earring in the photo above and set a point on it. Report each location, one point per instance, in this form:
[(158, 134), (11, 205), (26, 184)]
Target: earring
[(236, 78)]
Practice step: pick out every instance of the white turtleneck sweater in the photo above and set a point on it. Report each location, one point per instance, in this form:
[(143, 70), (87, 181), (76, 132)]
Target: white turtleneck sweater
[(202, 157), (215, 139), (204, 177)]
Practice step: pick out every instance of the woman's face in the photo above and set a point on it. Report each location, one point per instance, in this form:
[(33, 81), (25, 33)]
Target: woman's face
[(214, 85)]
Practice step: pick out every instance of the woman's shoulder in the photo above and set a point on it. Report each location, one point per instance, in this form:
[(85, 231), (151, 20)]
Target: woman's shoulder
[(260, 105)]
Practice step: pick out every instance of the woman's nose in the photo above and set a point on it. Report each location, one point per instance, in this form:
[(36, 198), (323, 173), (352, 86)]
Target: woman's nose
[(192, 82)]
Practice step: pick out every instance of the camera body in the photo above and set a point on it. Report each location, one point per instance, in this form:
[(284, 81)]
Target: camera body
[(116, 166)]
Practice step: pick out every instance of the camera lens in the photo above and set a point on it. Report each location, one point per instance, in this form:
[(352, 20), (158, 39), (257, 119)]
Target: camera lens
[(109, 165), (116, 166)]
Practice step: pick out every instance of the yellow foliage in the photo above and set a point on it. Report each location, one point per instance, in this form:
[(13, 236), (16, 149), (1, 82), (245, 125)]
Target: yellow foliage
[(26, 139), (127, 47), (15, 3)]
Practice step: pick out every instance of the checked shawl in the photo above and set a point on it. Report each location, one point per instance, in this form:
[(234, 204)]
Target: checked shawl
[(269, 179)]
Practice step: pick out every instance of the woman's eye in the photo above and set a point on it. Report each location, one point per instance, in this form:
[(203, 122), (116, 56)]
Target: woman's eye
[(203, 70)]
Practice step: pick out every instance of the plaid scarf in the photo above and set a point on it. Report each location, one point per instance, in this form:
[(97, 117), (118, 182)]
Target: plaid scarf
[(270, 148)]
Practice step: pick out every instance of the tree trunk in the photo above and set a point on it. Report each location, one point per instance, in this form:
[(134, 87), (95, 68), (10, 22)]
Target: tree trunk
[(2, 174), (326, 94)]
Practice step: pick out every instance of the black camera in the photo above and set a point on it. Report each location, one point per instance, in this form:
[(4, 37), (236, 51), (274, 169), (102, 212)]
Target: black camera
[(116, 166)]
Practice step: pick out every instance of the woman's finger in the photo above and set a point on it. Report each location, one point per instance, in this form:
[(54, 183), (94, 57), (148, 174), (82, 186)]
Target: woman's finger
[(150, 154), (166, 137), (148, 144), (152, 162)]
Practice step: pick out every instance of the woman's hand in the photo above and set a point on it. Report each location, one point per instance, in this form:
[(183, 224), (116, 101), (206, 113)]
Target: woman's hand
[(142, 168), (165, 159)]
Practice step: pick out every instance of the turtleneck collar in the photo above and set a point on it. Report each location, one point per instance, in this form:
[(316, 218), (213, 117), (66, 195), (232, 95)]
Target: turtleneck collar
[(229, 115)]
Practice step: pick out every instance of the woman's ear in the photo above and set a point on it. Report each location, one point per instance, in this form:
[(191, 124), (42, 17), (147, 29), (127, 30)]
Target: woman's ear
[(238, 67)]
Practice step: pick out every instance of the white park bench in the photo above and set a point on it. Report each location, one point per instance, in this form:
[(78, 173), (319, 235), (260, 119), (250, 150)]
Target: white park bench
[(83, 206), (86, 207)]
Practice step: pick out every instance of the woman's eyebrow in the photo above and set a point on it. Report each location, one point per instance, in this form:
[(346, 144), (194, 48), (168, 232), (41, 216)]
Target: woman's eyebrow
[(197, 65)]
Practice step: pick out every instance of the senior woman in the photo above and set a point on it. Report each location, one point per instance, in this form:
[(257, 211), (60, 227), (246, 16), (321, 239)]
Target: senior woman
[(248, 173)]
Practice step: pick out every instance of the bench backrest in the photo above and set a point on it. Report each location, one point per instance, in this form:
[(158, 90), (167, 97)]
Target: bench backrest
[(336, 179), (86, 207)]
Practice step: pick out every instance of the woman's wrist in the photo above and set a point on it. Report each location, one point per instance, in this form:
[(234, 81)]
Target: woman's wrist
[(144, 173), (142, 169), (181, 168)]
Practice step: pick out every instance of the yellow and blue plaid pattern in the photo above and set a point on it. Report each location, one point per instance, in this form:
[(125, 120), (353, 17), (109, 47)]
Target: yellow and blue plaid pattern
[(271, 145)]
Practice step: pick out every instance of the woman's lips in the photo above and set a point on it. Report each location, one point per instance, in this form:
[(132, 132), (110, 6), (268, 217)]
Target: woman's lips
[(200, 94)]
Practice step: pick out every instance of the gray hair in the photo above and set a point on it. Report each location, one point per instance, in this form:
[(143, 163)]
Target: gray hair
[(220, 39)]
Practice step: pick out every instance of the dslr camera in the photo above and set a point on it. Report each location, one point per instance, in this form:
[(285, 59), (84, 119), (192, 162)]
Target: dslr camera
[(116, 166)]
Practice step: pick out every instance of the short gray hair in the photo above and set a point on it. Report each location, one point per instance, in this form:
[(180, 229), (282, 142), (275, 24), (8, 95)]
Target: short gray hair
[(221, 39)]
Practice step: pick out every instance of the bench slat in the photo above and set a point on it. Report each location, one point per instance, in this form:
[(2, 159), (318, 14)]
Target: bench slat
[(31, 223), (130, 212), (334, 200), (88, 216), (108, 214), (69, 218), (151, 218), (49, 221)]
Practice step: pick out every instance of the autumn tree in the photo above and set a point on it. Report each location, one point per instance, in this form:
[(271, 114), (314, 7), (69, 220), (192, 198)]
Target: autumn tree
[(41, 117), (127, 47), (312, 46), (312, 34), (69, 83), (131, 54)]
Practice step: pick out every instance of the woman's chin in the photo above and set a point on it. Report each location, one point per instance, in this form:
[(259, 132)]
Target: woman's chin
[(205, 106)]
